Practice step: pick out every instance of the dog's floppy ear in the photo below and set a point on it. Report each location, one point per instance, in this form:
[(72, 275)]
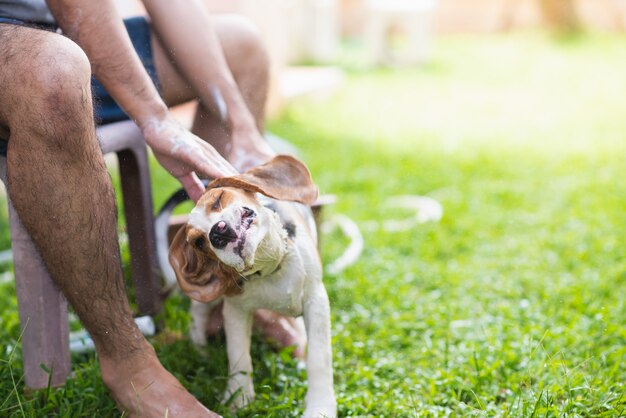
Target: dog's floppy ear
[(197, 274), (282, 178)]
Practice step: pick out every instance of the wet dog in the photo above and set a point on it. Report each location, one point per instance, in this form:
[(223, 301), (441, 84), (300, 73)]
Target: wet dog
[(251, 241)]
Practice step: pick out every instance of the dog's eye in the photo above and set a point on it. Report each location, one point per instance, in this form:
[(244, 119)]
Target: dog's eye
[(199, 243), (218, 202)]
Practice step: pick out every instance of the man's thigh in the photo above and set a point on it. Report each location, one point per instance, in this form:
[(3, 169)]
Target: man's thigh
[(232, 31)]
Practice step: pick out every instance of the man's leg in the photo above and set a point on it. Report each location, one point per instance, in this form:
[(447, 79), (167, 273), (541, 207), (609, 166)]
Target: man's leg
[(61, 190), (249, 64)]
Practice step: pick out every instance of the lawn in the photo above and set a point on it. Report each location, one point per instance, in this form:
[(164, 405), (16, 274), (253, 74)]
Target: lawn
[(511, 305)]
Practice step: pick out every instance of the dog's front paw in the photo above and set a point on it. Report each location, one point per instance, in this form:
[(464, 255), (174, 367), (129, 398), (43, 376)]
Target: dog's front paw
[(321, 411), (240, 391), (320, 403)]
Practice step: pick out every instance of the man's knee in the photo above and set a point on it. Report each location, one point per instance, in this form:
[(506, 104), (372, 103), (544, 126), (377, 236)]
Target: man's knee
[(51, 82), (246, 33), (63, 76), (242, 44)]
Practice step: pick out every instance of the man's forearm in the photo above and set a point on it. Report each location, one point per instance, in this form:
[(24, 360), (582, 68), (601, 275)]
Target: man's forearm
[(98, 29), (202, 62)]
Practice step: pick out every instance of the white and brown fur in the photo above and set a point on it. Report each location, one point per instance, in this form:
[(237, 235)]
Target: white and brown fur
[(250, 243)]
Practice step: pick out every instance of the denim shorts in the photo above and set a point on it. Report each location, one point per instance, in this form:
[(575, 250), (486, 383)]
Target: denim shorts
[(105, 108)]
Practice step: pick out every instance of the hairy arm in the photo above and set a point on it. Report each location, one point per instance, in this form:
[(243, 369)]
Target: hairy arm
[(202, 61), (185, 27), (98, 29)]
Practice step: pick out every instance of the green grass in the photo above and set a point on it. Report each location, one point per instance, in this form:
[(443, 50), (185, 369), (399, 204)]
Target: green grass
[(512, 305)]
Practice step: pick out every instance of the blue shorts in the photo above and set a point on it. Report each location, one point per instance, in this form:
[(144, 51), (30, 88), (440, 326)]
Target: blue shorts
[(105, 108)]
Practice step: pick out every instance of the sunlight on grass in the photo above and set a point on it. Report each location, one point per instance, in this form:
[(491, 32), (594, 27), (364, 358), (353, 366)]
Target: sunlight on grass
[(511, 305)]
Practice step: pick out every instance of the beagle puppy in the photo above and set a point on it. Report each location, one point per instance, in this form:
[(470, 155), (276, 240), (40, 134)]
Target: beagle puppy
[(249, 242)]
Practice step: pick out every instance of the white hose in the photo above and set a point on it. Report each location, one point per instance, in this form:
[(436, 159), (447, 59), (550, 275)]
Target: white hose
[(426, 209), (353, 251)]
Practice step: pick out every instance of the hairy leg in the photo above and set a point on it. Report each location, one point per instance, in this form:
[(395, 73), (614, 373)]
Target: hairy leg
[(248, 63), (61, 190)]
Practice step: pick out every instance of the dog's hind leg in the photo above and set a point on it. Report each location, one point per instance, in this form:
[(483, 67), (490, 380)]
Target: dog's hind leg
[(320, 397)]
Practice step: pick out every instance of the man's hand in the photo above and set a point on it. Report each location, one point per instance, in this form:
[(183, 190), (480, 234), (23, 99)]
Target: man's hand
[(184, 155), (249, 150)]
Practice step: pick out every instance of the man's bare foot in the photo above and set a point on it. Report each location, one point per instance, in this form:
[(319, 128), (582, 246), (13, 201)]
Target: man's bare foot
[(280, 331), (143, 388)]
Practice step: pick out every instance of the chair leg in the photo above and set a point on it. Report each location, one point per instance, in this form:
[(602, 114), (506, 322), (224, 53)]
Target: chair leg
[(137, 196), (42, 311)]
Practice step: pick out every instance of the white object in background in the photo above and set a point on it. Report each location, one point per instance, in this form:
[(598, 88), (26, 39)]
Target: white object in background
[(273, 19), (425, 209), (321, 30), (6, 277), (297, 30), (81, 342), (318, 81), (352, 253), (6, 256), (411, 18), (145, 325)]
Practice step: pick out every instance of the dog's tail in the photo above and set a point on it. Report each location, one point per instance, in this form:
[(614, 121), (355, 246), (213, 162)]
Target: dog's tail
[(161, 230)]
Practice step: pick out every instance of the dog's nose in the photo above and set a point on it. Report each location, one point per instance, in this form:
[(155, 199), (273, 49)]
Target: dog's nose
[(221, 234)]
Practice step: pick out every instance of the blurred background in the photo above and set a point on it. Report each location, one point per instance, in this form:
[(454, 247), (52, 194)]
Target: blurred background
[(392, 32)]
